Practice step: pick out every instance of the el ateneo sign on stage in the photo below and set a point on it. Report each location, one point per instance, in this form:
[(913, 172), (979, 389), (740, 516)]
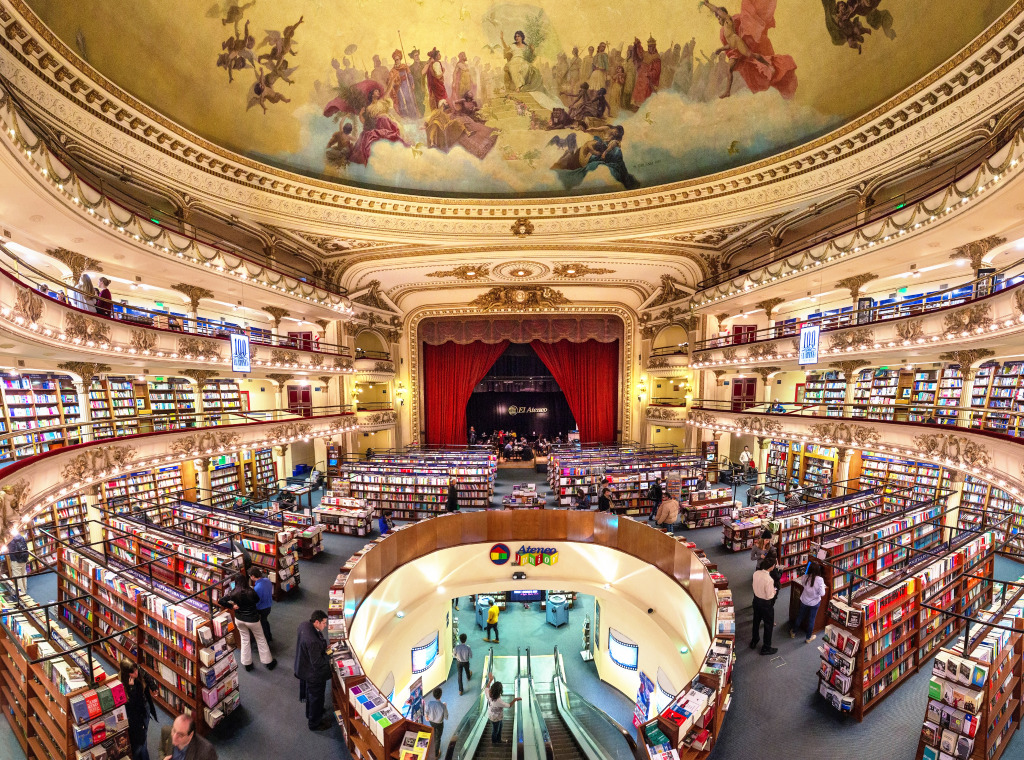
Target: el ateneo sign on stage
[(514, 410)]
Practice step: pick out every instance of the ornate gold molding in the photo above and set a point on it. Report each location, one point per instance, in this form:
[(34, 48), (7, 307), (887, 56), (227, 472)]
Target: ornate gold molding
[(96, 460), (194, 293), (855, 283), (280, 378), (769, 305), (189, 346), (519, 298), (28, 305), (277, 314), (199, 375), (966, 358), (967, 319), (74, 261), (960, 450), (764, 372), (976, 251), (846, 434), (849, 368), (88, 371), (910, 330), (84, 329), (469, 272), (575, 270), (205, 442), (861, 338)]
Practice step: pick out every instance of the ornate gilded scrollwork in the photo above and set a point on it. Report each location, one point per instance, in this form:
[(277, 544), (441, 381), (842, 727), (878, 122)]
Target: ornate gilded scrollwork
[(960, 450), (13, 498), (142, 340), (759, 351), (96, 460), (291, 430), (664, 413), (845, 434), (85, 370), (519, 297), (729, 354), (28, 305), (657, 362), (383, 366), (856, 283), (85, 328), (851, 339), (700, 417), (910, 329), (968, 319), (759, 425), (191, 346), (203, 442), (285, 357), (381, 418)]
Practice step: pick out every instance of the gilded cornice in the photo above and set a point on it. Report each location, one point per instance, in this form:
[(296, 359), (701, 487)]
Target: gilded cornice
[(51, 75)]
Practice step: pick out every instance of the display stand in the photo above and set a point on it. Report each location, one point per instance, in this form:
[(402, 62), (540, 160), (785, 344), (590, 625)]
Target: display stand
[(344, 514)]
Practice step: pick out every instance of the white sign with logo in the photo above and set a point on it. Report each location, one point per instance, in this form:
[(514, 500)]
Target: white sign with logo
[(809, 335), (241, 360)]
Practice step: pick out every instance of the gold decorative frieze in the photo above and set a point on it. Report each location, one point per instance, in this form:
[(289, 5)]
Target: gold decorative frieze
[(844, 340), (194, 293), (855, 284), (85, 370), (522, 227), (973, 318), (759, 351), (759, 425), (575, 271), (910, 330), (28, 305), (519, 298), (189, 346), (83, 329), (204, 442), (702, 418), (96, 461), (142, 341), (277, 314), (282, 356), (671, 290), (76, 262), (13, 499), (464, 272), (845, 434), (958, 449)]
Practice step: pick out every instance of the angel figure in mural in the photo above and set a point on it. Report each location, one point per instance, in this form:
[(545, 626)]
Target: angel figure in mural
[(263, 91), (520, 73), (229, 12), (603, 147), (845, 27), (237, 52), (749, 51), (280, 43)]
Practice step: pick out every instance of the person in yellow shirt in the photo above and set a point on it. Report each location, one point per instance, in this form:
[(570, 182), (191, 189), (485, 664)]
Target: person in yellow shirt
[(492, 622)]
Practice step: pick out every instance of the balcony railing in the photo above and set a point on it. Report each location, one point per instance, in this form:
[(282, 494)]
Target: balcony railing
[(17, 445), (970, 292), (874, 212), (374, 406)]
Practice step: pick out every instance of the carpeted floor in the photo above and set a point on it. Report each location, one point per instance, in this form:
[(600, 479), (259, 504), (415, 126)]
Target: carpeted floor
[(775, 712)]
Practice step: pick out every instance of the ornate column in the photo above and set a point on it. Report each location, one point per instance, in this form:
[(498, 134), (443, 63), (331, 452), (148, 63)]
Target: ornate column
[(769, 306), (194, 293), (203, 479), (281, 380), (87, 371), (277, 314), (199, 377), (953, 502), (855, 284), (766, 389), (763, 443), (849, 370), (976, 251), (966, 358), (842, 470), (283, 458)]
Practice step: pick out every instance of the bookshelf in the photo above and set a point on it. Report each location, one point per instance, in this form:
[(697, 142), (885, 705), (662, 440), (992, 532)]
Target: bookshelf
[(177, 640), (184, 402), (163, 406), (265, 471), (951, 383), (122, 405), (828, 388), (706, 509), (979, 392), (778, 465), (625, 469), (817, 475), (308, 533), (1002, 398), (345, 515), (902, 482), (862, 393), (974, 694), (739, 535), (99, 411), (630, 483), (924, 391), (224, 480), (65, 520), (880, 638), (70, 407)]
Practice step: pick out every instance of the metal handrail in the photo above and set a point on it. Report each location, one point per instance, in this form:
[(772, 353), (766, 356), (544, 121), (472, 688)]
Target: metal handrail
[(82, 433), (871, 214), (132, 205), (870, 315), (474, 722), (973, 418), (176, 323), (586, 742)]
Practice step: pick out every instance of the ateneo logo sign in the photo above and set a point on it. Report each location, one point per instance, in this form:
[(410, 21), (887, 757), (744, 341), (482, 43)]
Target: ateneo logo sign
[(535, 555), (514, 410), (499, 554)]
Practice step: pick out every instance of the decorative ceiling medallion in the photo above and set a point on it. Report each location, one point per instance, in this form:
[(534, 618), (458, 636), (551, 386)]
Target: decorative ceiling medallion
[(469, 272), (574, 271), (513, 298), (521, 270)]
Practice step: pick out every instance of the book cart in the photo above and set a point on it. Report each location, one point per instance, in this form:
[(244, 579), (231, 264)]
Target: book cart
[(372, 728), (975, 692), (690, 724), (54, 709), (881, 544), (271, 544), (177, 638), (879, 638)]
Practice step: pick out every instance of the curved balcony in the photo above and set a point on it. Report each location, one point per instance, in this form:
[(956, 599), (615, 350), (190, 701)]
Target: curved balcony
[(47, 473), (667, 361), (951, 192), (966, 441), (920, 328), (666, 413), (158, 337), (376, 415), (373, 366)]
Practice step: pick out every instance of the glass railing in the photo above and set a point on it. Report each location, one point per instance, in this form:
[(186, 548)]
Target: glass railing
[(596, 733)]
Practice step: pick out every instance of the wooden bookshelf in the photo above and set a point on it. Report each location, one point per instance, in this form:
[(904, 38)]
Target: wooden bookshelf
[(342, 514), (882, 637), (706, 509), (65, 519), (975, 693), (225, 480)]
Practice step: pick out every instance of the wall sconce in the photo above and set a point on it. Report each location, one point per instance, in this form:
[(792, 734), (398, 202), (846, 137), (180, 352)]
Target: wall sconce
[(400, 392), (641, 390)]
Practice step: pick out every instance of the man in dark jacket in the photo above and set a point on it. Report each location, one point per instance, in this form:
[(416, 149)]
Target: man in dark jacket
[(181, 737), (17, 552), (656, 494), (313, 668), (451, 502)]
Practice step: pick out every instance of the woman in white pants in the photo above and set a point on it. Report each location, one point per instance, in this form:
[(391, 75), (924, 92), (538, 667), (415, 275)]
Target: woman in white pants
[(243, 600)]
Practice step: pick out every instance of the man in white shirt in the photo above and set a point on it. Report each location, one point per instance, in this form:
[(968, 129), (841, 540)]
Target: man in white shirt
[(764, 605), (462, 653), (747, 460), (436, 713)]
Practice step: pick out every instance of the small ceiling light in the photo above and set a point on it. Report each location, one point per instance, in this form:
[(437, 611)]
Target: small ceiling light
[(570, 271), (400, 614), (470, 274)]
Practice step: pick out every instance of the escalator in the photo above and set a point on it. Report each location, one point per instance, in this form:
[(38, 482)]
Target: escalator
[(563, 743)]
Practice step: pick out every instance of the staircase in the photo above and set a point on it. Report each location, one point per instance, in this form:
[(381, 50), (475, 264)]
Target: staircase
[(487, 751), (562, 742)]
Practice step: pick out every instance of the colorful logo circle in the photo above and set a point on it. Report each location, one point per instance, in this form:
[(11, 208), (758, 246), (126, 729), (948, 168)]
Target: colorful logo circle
[(500, 554)]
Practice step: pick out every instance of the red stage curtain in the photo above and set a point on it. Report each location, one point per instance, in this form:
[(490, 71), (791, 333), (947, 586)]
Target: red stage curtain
[(450, 373), (588, 374)]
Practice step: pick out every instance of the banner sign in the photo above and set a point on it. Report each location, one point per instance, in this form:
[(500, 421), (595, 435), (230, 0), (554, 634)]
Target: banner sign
[(241, 360), (809, 344)]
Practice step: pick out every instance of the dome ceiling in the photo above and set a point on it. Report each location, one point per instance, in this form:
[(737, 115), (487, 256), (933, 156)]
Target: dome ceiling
[(464, 98)]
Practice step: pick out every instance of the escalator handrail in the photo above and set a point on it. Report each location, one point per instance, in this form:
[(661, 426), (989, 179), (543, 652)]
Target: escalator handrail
[(517, 725), (475, 726), (549, 750), (590, 748)]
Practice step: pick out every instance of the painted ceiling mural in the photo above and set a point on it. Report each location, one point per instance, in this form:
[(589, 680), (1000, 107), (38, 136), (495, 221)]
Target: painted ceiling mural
[(506, 99)]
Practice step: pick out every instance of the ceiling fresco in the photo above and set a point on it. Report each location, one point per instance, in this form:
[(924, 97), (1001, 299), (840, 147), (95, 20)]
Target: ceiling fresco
[(471, 98)]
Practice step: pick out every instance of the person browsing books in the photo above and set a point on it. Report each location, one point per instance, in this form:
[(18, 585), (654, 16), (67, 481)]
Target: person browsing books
[(436, 713), (264, 589), (764, 605), (463, 654), (810, 599), (656, 494), (668, 513), (313, 668), (244, 601), (604, 501), (139, 707)]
